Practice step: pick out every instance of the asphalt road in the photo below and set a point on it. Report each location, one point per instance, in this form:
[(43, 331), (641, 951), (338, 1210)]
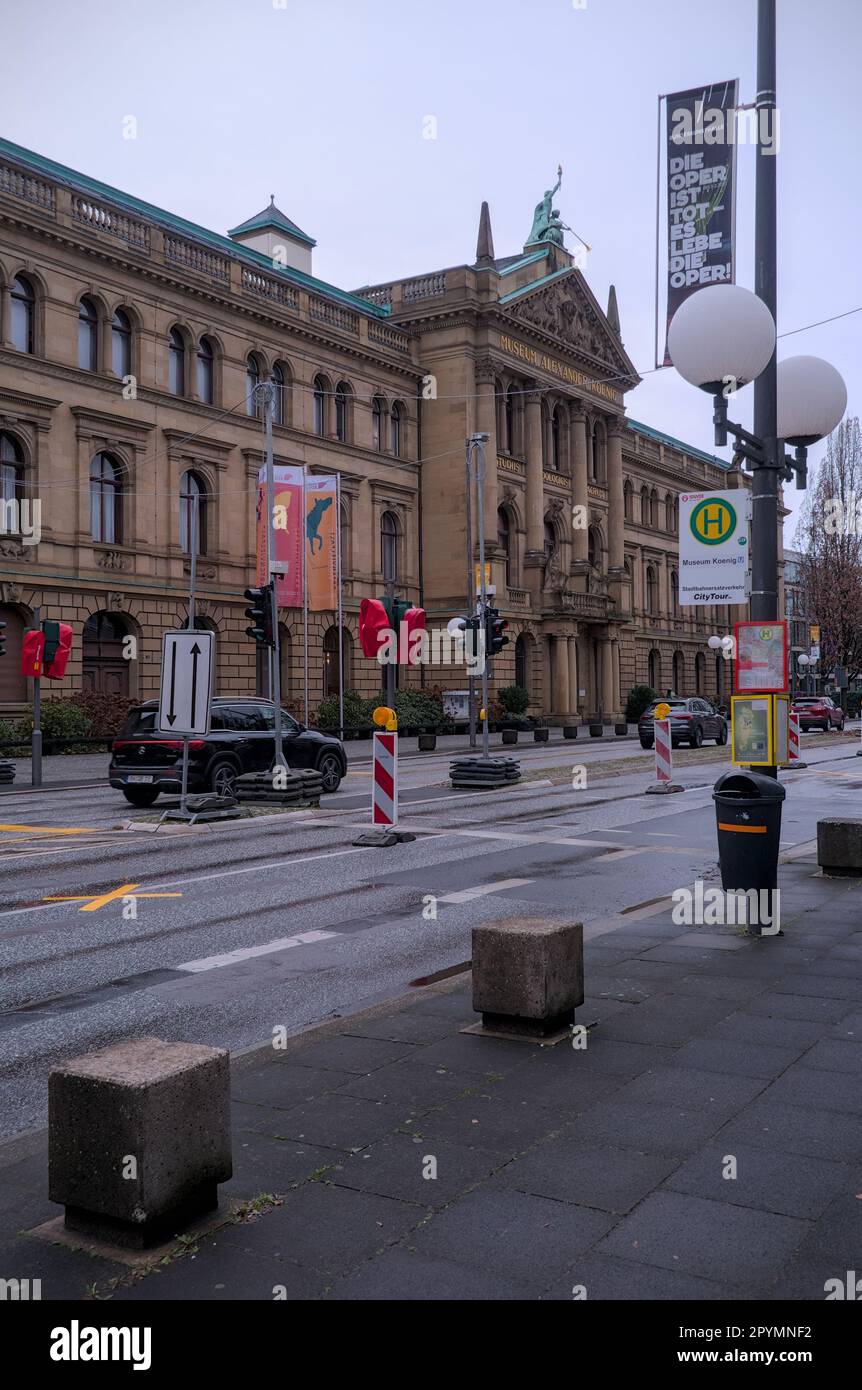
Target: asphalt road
[(281, 921)]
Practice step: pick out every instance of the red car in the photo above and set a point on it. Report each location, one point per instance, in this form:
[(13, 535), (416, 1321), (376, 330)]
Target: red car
[(817, 712)]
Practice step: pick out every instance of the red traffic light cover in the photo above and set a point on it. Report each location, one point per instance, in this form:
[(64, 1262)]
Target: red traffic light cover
[(32, 649), (373, 626), (413, 622), (56, 670)]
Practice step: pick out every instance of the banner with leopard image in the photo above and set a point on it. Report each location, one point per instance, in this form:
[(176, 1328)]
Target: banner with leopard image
[(321, 541)]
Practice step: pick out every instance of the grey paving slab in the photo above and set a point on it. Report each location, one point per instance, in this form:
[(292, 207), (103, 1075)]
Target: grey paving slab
[(284, 1084), (407, 1026), (651, 1128), (788, 1184), (219, 1272), (475, 1055), (569, 1169), (808, 1278), (818, 1089), (326, 1228), (64, 1273), (837, 1234), (504, 1229), (498, 1124), (712, 1240), (822, 986), (415, 1086), (747, 1027), (746, 1059), (402, 1275), (775, 1125), (837, 1055), (355, 1054), (778, 1005), (848, 1029), (395, 1167), (603, 1279), (718, 1093), (338, 1121), (704, 940), (717, 987), (262, 1164), (564, 1090), (669, 1020)]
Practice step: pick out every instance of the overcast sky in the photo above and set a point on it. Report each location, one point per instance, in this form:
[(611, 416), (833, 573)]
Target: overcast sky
[(324, 103)]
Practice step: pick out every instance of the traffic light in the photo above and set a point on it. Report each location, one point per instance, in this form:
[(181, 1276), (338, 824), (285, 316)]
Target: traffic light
[(262, 614), (495, 630), (373, 624), (414, 621), (58, 648), (2, 640)]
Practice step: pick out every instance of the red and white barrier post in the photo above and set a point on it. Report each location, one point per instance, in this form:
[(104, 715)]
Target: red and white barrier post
[(793, 737), (384, 782), (663, 758)]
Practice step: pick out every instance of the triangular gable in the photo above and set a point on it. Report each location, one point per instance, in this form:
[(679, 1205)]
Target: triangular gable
[(564, 308)]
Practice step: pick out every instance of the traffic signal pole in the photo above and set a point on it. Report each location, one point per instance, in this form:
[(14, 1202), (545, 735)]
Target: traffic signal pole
[(268, 390), (477, 443)]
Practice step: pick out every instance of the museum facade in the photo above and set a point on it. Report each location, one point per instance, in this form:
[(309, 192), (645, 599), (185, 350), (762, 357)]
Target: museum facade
[(131, 342)]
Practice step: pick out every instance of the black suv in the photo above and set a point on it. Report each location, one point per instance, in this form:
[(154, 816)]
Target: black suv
[(145, 761), (691, 721)]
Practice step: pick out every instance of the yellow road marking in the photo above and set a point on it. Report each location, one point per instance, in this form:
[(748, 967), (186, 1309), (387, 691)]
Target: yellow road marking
[(125, 890), (51, 830)]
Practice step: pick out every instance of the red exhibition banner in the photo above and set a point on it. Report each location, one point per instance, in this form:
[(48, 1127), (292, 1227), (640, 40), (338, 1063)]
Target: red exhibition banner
[(287, 512)]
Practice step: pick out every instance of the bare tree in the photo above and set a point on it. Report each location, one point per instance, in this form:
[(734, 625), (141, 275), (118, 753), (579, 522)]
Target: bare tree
[(829, 534)]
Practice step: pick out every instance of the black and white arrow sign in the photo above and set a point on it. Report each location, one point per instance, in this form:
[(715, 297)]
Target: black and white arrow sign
[(186, 686)]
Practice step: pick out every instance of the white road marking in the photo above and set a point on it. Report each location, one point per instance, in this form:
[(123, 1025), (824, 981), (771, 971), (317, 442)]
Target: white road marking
[(467, 895), (622, 854), (305, 938)]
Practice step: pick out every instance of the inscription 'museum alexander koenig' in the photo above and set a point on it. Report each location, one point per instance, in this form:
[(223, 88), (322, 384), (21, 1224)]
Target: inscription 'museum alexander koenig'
[(550, 364)]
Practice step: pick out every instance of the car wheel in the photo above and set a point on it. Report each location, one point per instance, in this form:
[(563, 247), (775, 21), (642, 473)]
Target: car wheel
[(722, 737), (696, 740), (646, 743), (222, 779), (329, 768), (140, 796)]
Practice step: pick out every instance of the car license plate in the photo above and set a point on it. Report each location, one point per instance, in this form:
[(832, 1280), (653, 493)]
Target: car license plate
[(140, 777)]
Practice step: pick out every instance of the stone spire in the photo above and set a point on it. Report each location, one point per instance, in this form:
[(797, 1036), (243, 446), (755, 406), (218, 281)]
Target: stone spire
[(613, 311), (485, 242)]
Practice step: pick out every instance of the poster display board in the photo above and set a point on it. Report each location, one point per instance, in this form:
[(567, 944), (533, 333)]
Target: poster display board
[(781, 726), (752, 730), (713, 546), (761, 657)]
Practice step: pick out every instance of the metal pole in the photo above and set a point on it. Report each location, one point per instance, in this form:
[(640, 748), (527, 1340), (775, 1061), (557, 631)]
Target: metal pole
[(36, 738), (193, 578), (340, 618), (267, 389), (471, 592), (764, 502), (304, 605), (480, 522)]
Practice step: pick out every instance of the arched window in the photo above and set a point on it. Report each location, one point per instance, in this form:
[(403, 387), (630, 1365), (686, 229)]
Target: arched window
[(121, 344), (550, 541), (106, 500), (377, 413), (280, 414), (319, 402), (396, 420), (675, 526), (654, 671), (253, 404), (510, 414), (594, 547), (88, 336), (341, 401), (674, 593), (504, 540), (644, 506), (678, 673), (346, 540), (653, 509), (521, 664), (176, 363), (699, 673), (651, 589), (330, 660), (11, 472), (668, 513), (22, 326), (206, 371), (389, 546), (104, 667), (193, 498), (628, 500)]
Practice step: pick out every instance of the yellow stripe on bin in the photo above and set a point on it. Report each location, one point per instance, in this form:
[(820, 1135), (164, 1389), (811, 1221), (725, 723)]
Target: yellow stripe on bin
[(744, 829)]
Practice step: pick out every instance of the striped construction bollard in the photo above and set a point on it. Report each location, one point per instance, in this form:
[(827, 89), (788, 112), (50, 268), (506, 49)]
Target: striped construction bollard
[(384, 785), (793, 737), (663, 758)]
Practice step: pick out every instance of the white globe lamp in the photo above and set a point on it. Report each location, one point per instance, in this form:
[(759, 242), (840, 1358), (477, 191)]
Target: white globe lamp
[(812, 399), (721, 334)]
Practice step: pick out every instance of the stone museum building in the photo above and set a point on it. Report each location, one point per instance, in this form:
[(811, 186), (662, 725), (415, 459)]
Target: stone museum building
[(131, 342)]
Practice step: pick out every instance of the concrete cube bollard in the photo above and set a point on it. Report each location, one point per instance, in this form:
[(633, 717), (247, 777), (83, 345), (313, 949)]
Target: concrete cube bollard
[(139, 1138), (528, 974), (839, 845)]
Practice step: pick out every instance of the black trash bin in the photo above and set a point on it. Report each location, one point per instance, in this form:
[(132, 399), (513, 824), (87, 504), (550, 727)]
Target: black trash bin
[(748, 817)]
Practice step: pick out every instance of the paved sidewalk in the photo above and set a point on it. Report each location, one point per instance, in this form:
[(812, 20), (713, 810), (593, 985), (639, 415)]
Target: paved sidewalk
[(603, 1168)]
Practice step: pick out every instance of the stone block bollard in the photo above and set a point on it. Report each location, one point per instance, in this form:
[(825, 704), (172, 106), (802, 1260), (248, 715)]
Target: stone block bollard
[(528, 975), (839, 846), (139, 1138)]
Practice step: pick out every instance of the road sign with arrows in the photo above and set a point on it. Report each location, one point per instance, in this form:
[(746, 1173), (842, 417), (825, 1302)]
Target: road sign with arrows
[(186, 688)]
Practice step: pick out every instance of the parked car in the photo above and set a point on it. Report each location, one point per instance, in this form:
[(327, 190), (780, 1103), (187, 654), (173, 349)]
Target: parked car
[(145, 761), (817, 712), (691, 721)]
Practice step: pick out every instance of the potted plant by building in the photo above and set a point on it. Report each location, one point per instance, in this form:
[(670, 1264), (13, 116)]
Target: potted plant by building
[(510, 735), (541, 734), (621, 728), (427, 741), (570, 731), (597, 725)]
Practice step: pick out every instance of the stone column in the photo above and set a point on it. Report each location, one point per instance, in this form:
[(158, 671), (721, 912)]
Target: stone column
[(560, 668), (608, 702), (535, 509), (5, 324), (486, 423), (619, 702), (572, 643), (616, 511), (580, 498)]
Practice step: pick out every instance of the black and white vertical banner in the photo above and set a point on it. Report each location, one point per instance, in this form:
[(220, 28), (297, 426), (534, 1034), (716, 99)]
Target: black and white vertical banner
[(700, 204)]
